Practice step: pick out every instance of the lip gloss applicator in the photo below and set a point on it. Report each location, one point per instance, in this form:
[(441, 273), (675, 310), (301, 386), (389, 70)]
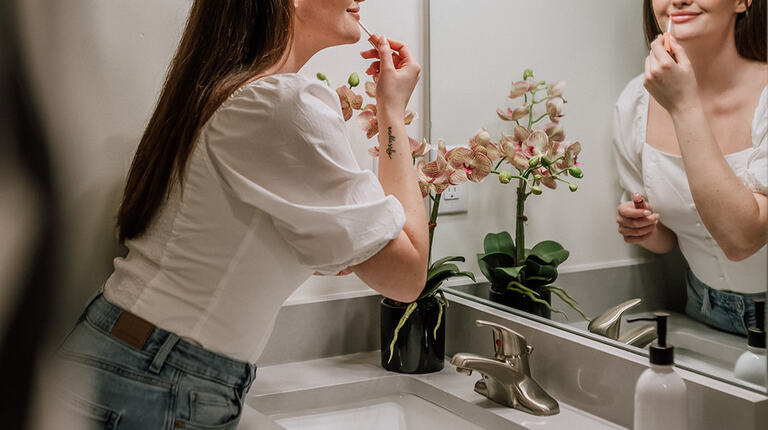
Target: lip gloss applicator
[(370, 36), (667, 35)]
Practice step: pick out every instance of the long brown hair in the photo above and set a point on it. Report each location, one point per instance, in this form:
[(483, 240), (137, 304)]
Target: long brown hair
[(749, 29), (225, 43)]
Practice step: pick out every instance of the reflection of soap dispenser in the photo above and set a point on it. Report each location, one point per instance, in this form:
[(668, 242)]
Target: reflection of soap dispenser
[(660, 393), (752, 366)]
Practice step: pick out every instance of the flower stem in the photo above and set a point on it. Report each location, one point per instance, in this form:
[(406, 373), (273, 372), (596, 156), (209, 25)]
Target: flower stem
[(499, 163), (433, 223), (519, 222), (540, 118)]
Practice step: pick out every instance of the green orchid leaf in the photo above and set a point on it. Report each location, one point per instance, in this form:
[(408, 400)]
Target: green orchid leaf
[(499, 242), (408, 311), (445, 260), (508, 272), (485, 269), (434, 283), (497, 259), (448, 267), (549, 252)]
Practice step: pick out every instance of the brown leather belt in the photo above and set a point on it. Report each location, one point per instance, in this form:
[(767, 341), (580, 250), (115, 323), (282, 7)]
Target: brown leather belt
[(132, 330)]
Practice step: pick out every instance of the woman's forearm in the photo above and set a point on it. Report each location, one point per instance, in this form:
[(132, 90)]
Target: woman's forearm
[(733, 215), (398, 177), (661, 241)]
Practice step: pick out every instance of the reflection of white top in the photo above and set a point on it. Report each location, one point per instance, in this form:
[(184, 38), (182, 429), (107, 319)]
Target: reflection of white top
[(661, 178), (272, 193)]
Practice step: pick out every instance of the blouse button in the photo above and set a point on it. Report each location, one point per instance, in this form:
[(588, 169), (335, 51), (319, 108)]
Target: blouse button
[(698, 224)]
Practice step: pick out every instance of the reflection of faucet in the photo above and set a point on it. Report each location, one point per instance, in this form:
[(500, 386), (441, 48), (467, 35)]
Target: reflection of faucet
[(507, 378), (608, 324)]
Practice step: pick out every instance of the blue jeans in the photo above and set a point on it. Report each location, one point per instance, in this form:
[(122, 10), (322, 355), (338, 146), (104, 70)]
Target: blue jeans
[(726, 310), (167, 384)]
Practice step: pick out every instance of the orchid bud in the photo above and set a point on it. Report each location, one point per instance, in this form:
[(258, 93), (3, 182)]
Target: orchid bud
[(527, 73), (576, 172), (545, 161), (322, 77), (505, 177), (573, 187), (354, 80), (534, 161), (537, 177), (535, 190)]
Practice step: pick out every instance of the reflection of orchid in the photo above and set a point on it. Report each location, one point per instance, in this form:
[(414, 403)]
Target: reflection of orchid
[(540, 155)]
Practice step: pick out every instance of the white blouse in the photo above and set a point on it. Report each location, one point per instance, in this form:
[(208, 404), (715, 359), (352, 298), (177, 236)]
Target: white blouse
[(272, 193), (661, 178)]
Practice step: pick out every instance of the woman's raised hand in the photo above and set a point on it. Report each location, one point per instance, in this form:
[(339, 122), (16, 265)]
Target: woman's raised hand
[(672, 83), (636, 225), (396, 73)]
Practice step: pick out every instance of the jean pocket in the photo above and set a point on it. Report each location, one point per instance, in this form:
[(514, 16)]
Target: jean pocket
[(209, 405), (83, 414)]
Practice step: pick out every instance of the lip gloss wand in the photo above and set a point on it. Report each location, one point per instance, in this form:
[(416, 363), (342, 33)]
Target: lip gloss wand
[(370, 36)]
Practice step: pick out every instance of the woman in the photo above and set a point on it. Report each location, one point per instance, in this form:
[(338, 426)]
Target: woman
[(243, 185), (691, 142)]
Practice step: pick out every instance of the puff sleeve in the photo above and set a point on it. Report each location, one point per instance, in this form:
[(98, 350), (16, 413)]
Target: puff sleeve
[(756, 174), (280, 145), (627, 145)]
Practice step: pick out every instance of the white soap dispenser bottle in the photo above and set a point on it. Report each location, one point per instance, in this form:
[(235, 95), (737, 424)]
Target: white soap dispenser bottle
[(752, 366), (661, 401)]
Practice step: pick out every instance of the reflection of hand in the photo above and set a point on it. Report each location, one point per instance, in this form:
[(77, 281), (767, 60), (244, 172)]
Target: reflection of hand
[(672, 84), (344, 272), (636, 225), (396, 74)]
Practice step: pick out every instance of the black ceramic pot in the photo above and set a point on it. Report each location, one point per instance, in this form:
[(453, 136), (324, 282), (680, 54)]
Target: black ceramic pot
[(417, 349), (522, 302)]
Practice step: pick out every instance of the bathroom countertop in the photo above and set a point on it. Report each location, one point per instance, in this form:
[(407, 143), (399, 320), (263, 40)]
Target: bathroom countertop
[(366, 366)]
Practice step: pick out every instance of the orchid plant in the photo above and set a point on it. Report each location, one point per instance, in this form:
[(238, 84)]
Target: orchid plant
[(451, 167), (541, 156)]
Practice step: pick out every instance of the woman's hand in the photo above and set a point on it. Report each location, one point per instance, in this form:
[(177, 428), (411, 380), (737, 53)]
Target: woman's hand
[(396, 73), (672, 83), (636, 225)]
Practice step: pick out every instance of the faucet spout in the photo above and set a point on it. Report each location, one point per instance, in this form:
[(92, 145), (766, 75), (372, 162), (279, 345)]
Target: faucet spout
[(504, 384)]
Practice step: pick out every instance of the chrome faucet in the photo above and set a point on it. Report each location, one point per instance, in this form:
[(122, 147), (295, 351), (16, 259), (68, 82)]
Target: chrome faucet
[(608, 324), (507, 377)]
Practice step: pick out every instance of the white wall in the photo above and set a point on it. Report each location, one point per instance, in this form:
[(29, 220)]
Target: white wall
[(596, 46), (97, 67)]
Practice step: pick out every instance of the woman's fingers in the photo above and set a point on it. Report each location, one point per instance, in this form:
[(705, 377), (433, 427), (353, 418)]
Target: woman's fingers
[(385, 53), (650, 220), (660, 54), (371, 53), (636, 232)]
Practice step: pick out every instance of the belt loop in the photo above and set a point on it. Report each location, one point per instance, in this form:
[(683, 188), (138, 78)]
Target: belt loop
[(706, 306), (162, 353)]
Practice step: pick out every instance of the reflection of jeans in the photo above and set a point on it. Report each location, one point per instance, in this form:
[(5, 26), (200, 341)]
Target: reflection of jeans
[(726, 310), (169, 383)]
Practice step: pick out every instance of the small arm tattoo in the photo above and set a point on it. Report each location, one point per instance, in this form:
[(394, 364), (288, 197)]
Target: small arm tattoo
[(390, 149)]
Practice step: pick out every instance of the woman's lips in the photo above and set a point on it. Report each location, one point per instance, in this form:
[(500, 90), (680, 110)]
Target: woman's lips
[(355, 13), (680, 18)]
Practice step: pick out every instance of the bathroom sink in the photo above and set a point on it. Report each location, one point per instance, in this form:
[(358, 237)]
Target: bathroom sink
[(390, 402)]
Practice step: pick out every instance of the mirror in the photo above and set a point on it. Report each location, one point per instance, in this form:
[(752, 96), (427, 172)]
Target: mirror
[(477, 49)]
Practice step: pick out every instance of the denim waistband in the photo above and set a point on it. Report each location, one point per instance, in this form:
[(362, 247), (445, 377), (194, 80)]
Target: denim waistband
[(183, 355)]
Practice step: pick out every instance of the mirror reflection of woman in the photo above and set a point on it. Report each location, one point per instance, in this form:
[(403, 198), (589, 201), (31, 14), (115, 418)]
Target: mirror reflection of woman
[(243, 185), (691, 136)]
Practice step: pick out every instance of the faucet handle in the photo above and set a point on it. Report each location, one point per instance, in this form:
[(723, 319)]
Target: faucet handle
[(608, 324), (507, 343)]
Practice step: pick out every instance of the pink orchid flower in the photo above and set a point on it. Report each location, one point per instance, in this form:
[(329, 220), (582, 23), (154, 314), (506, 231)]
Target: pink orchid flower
[(546, 179), (473, 162), (555, 131), (514, 114), (368, 122), (555, 89), (519, 88), (481, 141), (349, 101), (555, 108), (570, 152)]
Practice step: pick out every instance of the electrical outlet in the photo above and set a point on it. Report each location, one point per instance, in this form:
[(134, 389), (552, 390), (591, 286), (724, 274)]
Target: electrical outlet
[(455, 200)]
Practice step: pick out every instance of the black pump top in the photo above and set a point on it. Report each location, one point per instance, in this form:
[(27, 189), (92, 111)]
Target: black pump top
[(756, 334), (660, 352)]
